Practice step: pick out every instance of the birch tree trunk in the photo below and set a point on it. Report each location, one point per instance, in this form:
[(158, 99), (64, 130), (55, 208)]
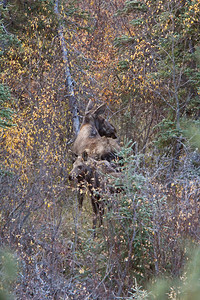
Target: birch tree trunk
[(68, 79)]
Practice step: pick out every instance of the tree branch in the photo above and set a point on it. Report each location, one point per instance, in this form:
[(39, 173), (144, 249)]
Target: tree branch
[(68, 79)]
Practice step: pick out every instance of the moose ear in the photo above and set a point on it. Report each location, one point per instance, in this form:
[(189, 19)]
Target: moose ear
[(85, 155), (89, 106), (100, 110)]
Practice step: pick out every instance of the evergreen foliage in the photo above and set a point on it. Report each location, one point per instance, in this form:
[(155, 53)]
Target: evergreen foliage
[(6, 113), (8, 273)]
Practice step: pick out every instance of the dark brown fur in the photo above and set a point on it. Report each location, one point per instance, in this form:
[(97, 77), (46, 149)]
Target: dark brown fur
[(91, 174)]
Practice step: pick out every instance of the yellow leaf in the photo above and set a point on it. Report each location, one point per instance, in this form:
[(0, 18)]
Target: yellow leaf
[(81, 271)]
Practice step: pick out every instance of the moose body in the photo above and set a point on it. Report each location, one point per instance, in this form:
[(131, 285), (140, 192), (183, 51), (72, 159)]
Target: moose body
[(96, 136), (95, 146), (91, 174)]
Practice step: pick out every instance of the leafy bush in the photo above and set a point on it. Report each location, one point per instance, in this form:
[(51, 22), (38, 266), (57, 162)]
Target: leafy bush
[(8, 273)]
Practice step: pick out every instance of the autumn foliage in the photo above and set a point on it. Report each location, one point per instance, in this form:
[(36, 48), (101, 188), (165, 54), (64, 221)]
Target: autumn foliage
[(141, 58)]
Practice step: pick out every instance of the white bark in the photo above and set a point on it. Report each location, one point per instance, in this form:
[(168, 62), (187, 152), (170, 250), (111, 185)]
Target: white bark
[(68, 80)]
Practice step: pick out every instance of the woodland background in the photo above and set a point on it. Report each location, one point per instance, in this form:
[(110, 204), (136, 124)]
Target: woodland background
[(143, 59)]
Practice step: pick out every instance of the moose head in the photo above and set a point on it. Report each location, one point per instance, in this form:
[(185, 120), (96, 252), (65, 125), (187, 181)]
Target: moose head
[(93, 116), (81, 171), (96, 133)]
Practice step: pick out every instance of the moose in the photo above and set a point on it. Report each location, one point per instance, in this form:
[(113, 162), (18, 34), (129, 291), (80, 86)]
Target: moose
[(90, 174), (95, 146), (96, 136)]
